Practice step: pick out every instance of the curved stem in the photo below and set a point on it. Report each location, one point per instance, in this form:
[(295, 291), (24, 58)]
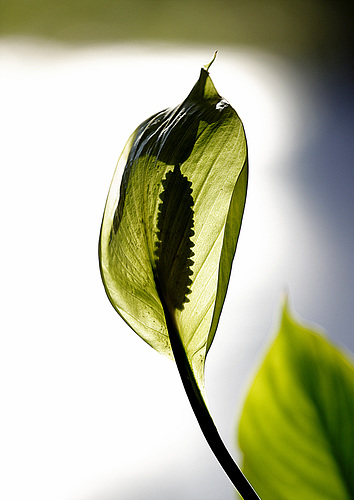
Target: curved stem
[(202, 413)]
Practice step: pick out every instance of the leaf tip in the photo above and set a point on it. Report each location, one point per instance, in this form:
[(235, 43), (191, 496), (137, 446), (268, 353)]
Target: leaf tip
[(207, 66), (285, 299)]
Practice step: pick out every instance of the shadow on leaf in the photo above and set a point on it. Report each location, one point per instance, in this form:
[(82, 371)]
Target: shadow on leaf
[(174, 246)]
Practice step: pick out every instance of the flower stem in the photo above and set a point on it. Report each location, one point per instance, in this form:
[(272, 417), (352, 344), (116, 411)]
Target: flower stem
[(202, 413)]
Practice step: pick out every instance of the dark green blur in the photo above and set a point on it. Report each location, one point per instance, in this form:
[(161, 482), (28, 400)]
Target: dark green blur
[(314, 28)]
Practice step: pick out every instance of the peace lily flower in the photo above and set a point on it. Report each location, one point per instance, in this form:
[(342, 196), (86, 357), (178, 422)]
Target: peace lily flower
[(169, 232)]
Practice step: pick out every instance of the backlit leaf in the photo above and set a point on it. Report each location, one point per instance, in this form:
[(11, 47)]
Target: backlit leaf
[(296, 429), (171, 222)]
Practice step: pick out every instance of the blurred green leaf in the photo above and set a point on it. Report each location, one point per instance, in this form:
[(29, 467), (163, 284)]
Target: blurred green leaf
[(296, 429), (169, 233)]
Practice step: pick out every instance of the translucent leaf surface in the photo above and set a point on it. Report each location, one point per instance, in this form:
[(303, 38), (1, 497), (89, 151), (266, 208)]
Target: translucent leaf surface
[(169, 232), (296, 429)]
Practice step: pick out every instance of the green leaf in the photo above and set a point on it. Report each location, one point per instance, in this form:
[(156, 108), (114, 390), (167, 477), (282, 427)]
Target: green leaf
[(296, 429), (169, 232)]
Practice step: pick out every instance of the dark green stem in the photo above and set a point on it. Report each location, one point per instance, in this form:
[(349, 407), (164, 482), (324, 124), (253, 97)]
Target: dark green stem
[(202, 413)]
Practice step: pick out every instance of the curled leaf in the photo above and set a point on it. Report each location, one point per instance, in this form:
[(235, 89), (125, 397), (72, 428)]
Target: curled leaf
[(169, 232)]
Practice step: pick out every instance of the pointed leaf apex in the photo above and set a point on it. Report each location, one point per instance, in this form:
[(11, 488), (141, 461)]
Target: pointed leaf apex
[(207, 66)]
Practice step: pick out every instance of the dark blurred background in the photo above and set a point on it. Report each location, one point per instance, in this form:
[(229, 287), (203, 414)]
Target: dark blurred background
[(302, 28)]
